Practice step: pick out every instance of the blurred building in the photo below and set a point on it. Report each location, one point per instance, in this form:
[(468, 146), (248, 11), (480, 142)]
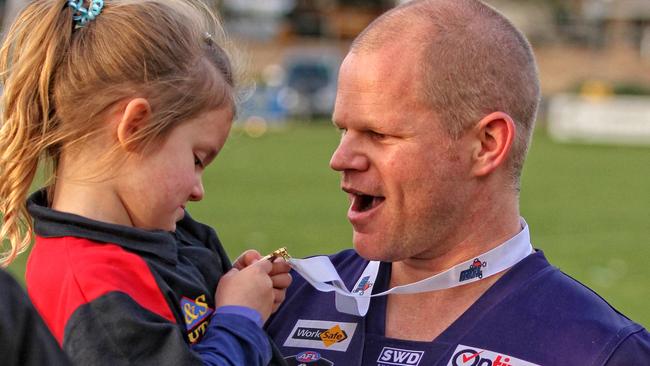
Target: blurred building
[(575, 39), (296, 47), (340, 19), (616, 23), (577, 42)]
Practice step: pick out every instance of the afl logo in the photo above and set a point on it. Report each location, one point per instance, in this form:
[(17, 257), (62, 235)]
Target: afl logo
[(308, 356)]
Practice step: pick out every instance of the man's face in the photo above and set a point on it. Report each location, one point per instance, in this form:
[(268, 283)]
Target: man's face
[(406, 178)]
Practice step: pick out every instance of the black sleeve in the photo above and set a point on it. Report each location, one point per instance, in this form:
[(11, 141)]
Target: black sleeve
[(114, 330), (24, 337)]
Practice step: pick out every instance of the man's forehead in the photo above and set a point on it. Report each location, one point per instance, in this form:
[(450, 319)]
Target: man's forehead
[(384, 71), (377, 86)]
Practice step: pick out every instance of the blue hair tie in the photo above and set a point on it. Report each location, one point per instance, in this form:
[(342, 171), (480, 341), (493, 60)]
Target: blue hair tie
[(82, 15)]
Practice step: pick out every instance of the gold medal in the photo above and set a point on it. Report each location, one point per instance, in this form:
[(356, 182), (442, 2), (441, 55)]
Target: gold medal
[(282, 252)]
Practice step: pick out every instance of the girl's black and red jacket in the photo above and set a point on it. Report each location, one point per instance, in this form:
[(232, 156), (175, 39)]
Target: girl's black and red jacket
[(116, 295)]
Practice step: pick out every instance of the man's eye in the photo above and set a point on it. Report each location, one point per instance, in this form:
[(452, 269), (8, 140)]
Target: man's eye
[(376, 135), (198, 162)]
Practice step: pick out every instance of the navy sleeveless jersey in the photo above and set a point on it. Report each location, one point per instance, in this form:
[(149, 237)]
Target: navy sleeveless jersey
[(533, 315)]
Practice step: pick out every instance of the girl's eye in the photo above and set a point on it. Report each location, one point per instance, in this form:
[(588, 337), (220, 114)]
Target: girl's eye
[(198, 162)]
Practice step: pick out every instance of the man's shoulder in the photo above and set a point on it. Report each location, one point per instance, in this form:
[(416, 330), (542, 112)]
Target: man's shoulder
[(538, 302), (575, 299), (573, 319), (536, 287)]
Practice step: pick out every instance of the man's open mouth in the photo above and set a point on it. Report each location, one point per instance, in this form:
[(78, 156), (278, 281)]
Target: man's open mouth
[(364, 202)]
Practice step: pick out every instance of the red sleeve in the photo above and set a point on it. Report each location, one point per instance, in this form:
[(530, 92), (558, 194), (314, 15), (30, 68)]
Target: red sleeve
[(66, 273)]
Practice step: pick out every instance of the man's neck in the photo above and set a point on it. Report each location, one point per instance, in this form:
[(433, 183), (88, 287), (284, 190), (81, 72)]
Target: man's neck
[(476, 239), (424, 316)]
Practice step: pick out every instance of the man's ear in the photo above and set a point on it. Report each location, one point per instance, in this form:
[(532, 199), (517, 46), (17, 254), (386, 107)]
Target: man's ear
[(136, 115), (494, 136)]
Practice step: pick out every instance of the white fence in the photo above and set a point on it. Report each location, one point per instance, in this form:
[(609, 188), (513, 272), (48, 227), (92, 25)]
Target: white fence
[(615, 119)]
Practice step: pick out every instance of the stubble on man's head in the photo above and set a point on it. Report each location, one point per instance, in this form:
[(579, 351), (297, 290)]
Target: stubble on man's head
[(471, 59)]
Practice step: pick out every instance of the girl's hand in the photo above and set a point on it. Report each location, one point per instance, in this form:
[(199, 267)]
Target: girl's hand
[(281, 280), (279, 274), (251, 287), (246, 259)]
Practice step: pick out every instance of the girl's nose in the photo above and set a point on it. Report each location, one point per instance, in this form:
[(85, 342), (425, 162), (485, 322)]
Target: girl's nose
[(197, 191)]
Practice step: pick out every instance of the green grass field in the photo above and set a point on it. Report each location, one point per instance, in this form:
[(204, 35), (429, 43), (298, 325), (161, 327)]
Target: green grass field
[(588, 206)]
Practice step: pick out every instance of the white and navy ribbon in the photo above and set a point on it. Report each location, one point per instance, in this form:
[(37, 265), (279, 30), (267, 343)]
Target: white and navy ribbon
[(321, 274)]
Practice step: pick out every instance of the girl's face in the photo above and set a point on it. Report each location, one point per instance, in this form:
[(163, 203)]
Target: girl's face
[(158, 185)]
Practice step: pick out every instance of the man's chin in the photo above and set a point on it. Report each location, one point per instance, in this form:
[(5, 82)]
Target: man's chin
[(371, 247)]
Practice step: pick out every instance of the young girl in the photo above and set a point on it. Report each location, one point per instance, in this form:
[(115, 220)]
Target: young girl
[(129, 101)]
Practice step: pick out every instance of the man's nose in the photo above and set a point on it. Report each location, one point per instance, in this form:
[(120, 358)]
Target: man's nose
[(349, 155), (197, 191)]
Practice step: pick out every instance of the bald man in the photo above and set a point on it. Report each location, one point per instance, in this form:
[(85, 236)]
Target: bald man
[(436, 105)]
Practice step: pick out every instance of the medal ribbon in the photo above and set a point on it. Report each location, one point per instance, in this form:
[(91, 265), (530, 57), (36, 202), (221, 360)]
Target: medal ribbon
[(321, 274)]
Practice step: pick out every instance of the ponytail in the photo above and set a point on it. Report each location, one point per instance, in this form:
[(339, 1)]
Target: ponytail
[(30, 56), (60, 82)]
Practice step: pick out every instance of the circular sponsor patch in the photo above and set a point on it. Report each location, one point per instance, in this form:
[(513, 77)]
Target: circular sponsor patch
[(308, 356)]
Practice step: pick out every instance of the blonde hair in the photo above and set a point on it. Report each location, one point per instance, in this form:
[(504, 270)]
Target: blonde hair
[(59, 81)]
